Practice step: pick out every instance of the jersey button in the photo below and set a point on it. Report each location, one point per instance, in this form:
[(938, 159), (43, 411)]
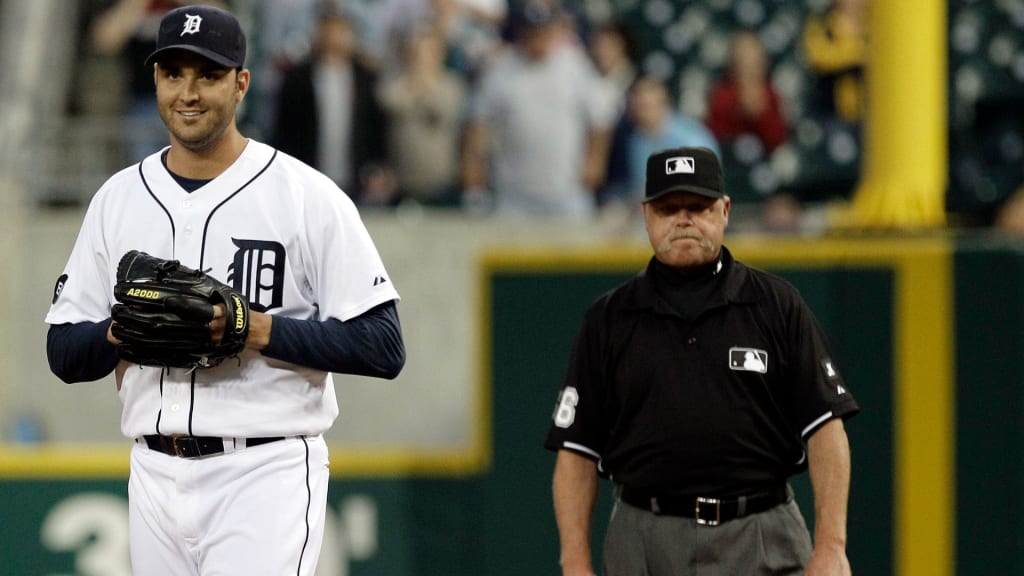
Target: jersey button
[(175, 407), (691, 340), (186, 204)]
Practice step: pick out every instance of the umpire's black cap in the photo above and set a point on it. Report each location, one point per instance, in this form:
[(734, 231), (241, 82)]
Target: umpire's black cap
[(210, 32), (685, 169)]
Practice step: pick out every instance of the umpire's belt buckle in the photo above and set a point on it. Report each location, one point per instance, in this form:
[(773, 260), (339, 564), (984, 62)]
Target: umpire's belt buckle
[(712, 503)]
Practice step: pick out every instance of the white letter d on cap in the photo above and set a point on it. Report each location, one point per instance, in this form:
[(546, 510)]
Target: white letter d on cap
[(191, 24)]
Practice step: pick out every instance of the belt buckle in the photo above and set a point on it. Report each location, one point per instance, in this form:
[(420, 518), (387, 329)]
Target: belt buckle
[(185, 446), (718, 511)]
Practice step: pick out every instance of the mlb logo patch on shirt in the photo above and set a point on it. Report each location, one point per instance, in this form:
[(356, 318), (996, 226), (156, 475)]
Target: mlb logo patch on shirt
[(748, 360)]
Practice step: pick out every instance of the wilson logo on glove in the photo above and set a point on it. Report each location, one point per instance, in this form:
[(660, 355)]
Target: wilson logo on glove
[(241, 318)]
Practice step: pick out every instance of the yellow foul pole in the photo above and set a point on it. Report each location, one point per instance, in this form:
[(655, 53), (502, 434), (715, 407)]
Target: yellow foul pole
[(905, 148)]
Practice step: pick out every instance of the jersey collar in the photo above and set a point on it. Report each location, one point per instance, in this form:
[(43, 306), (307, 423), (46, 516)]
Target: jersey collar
[(736, 287)]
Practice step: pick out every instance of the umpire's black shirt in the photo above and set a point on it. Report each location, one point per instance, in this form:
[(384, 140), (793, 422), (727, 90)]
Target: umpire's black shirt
[(713, 400)]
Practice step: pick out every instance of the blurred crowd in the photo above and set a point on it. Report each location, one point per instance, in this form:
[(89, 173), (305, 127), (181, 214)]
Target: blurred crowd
[(532, 106)]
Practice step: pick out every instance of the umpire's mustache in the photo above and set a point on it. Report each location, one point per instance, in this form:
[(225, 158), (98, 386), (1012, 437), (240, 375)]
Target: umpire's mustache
[(688, 233)]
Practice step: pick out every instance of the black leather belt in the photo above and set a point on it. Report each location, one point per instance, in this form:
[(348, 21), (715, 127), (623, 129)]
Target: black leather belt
[(196, 446), (706, 511)]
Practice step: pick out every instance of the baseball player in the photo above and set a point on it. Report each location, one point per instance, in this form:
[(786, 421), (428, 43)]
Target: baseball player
[(229, 469), (699, 387)]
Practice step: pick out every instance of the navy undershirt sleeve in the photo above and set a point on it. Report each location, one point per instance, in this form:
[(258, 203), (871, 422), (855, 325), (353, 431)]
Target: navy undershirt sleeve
[(367, 345), (80, 352)]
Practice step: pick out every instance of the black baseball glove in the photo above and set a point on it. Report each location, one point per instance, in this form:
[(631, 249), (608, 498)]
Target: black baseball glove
[(164, 313)]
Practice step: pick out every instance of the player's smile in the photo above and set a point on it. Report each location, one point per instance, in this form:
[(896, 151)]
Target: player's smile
[(190, 117)]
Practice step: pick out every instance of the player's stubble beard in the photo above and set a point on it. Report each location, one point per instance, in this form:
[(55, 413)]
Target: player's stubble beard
[(197, 138)]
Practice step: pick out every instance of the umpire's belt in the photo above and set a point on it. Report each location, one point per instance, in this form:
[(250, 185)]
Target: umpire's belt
[(197, 446), (707, 511)]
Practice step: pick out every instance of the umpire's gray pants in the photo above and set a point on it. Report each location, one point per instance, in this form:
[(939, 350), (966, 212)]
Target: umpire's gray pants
[(641, 543)]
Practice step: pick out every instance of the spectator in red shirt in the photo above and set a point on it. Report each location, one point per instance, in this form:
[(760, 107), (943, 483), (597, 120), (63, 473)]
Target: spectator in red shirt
[(743, 100)]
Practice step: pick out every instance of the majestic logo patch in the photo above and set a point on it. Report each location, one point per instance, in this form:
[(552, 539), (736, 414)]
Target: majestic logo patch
[(679, 165), (191, 24), (59, 287), (748, 359)]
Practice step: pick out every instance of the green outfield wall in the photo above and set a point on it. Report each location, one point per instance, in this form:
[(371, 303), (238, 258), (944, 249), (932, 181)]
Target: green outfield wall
[(926, 331)]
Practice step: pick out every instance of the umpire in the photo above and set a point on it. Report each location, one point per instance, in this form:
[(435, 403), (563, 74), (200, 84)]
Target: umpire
[(699, 387)]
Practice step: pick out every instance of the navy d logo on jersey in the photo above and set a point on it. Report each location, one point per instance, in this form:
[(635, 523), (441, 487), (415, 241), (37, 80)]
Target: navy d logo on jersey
[(258, 272), (748, 360)]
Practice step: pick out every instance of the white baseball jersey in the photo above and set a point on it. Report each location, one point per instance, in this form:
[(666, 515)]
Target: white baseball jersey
[(270, 226)]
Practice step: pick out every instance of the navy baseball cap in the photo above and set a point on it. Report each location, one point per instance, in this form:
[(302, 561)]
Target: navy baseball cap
[(204, 30), (685, 169)]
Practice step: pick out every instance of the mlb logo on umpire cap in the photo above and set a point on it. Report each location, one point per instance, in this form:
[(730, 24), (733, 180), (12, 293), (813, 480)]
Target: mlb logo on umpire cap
[(210, 32), (679, 165), (695, 170)]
